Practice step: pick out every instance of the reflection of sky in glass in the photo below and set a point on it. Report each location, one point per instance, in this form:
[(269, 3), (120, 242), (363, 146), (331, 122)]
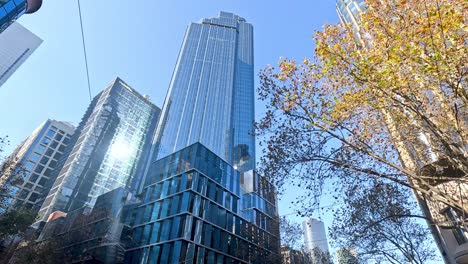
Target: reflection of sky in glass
[(211, 95)]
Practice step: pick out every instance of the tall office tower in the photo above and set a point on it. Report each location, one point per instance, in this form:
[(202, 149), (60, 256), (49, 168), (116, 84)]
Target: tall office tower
[(110, 146), (211, 95), (452, 243), (34, 161), (10, 10), (192, 212), (16, 45), (204, 203), (315, 235)]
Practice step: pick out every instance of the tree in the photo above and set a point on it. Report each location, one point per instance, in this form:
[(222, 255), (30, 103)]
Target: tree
[(389, 106), (45, 252), (388, 103), (13, 223), (12, 174), (317, 256), (291, 233), (379, 223)]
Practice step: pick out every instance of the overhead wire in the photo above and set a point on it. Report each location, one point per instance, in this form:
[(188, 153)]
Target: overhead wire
[(84, 50)]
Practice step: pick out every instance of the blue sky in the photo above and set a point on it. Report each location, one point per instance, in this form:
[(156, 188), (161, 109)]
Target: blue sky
[(139, 42)]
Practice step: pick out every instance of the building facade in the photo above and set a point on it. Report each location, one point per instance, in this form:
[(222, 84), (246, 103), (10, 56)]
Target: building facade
[(16, 45), (109, 149), (211, 94), (315, 235), (32, 163), (197, 208), (98, 236), (10, 10)]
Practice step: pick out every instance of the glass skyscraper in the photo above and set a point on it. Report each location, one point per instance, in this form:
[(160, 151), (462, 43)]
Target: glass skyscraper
[(34, 161), (16, 44), (197, 208), (211, 94), (109, 149), (10, 10), (202, 201)]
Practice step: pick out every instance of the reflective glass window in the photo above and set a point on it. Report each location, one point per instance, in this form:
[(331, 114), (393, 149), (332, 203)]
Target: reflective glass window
[(155, 213), (45, 141), (50, 133), (146, 234), (166, 229), (166, 253), (155, 232), (175, 205), (154, 255)]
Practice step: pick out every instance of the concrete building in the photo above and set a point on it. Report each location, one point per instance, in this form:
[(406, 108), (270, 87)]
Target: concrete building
[(16, 45), (34, 161)]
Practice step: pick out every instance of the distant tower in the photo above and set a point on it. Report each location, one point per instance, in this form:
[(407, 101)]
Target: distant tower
[(109, 149), (16, 45), (315, 235), (10, 10), (34, 160)]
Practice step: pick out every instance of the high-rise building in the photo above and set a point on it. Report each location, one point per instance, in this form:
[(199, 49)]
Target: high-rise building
[(10, 10), (16, 45), (197, 208), (315, 235), (452, 243), (211, 95), (34, 161), (109, 148), (202, 200)]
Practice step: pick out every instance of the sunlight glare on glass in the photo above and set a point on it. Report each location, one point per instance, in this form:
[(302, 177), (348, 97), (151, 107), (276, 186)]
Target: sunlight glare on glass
[(120, 150)]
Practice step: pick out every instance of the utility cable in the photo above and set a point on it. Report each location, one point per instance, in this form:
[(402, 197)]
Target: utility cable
[(84, 51)]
